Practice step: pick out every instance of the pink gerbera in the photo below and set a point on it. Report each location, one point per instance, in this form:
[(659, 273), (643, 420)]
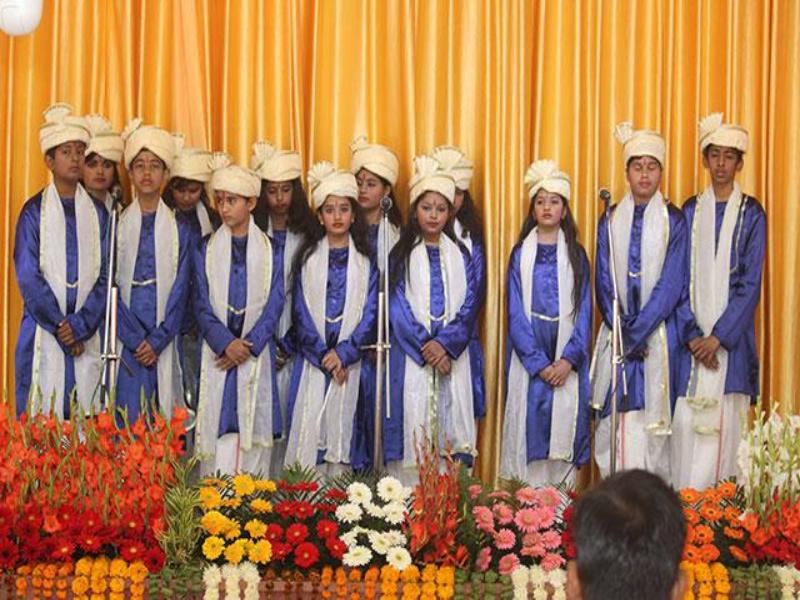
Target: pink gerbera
[(551, 562), (508, 564), (528, 520), (505, 539), (551, 539), (503, 513), (483, 518), (483, 560), (527, 495)]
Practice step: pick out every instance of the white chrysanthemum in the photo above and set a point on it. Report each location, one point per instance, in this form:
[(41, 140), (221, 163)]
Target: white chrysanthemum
[(212, 575), (394, 513), (538, 576), (379, 542), (357, 556), (350, 538), (559, 594), (557, 577), (519, 577), (541, 594), (396, 537), (349, 513), (399, 558), (230, 571), (249, 573), (390, 489), (359, 493), (373, 510)]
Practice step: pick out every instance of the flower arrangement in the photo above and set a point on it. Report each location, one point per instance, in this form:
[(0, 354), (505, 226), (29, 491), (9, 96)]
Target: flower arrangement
[(706, 581), (543, 584), (232, 576)]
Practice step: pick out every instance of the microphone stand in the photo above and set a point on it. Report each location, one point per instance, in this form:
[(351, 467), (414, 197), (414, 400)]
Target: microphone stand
[(617, 343), (109, 356)]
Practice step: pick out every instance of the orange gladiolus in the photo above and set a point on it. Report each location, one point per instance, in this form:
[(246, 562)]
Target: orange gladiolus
[(738, 554), (750, 522), (760, 536)]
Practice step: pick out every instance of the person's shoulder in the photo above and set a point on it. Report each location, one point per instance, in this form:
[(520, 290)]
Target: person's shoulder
[(752, 203)]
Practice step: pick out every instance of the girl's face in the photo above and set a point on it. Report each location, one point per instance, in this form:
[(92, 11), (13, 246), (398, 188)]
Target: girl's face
[(432, 211), (234, 209), (548, 209), (336, 215), (67, 161), (279, 197), (370, 190), (458, 201), (148, 173), (98, 174), (187, 195)]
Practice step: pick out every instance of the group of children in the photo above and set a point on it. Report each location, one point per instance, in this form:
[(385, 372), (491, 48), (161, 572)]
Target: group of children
[(260, 308)]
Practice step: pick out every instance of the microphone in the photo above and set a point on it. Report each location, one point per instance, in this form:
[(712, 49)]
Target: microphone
[(116, 195), (605, 197), (386, 204)]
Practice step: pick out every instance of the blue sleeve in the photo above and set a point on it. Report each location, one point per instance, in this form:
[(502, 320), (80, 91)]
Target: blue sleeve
[(215, 332), (288, 343), (308, 339), (166, 331), (85, 321), (455, 335), (519, 326), (409, 333), (578, 347), (40, 301), (604, 287), (745, 293), (349, 350), (264, 329), (667, 292)]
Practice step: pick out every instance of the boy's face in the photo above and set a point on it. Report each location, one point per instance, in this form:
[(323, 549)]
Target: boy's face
[(67, 161), (722, 163)]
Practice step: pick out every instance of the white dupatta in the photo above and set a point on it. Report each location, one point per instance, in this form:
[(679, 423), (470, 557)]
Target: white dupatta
[(458, 229), (323, 420), (655, 240), (253, 377), (708, 295), (203, 219), (48, 370), (564, 415), (394, 235), (436, 405), (170, 381)]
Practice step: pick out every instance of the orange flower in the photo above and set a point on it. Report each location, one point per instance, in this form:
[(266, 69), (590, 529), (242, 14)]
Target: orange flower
[(690, 495), (738, 554), (691, 553), (712, 495), (703, 534), (732, 514), (750, 522), (711, 512), (760, 536), (727, 489), (372, 575), (355, 575), (709, 553), (736, 534), (691, 515)]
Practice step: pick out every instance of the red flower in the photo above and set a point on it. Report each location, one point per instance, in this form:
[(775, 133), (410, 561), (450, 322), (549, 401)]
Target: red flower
[(90, 542), (327, 528), (27, 529), (326, 507), (154, 559), (336, 547), (303, 510), (306, 555), (63, 550), (296, 533), (6, 520), (88, 521), (67, 516), (132, 550), (8, 553), (131, 524), (274, 533), (280, 551), (285, 509), (336, 495)]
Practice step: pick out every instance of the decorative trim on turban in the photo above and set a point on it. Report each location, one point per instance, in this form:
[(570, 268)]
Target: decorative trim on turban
[(61, 126), (193, 164), (231, 178), (640, 142), (429, 176), (544, 175), (104, 141), (374, 158), (456, 162), (712, 130), (162, 143), (274, 164), (324, 180)]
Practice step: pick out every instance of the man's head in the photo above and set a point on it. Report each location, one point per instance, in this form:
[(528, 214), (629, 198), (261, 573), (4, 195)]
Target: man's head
[(629, 533)]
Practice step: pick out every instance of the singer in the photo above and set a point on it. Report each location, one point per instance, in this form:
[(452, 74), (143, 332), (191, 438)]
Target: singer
[(649, 239), (60, 266), (100, 170)]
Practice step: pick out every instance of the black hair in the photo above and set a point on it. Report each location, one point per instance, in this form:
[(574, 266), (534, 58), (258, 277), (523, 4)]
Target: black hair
[(739, 153), (629, 535), (411, 236), (316, 231), (51, 153), (575, 251), (395, 216), (115, 180), (178, 183), (299, 219), (470, 220)]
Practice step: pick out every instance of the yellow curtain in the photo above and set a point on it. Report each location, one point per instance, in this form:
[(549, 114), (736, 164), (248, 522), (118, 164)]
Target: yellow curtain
[(508, 81)]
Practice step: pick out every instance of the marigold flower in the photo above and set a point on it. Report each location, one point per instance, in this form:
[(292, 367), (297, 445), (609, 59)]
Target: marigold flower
[(243, 485), (210, 498)]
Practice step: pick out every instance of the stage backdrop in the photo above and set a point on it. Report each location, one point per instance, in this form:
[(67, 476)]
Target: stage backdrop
[(507, 81)]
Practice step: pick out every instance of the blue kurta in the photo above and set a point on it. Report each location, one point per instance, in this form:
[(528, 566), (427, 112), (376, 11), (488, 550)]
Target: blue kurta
[(137, 322), (409, 335), (313, 348), (40, 303), (639, 322), (219, 335), (736, 326), (535, 340)]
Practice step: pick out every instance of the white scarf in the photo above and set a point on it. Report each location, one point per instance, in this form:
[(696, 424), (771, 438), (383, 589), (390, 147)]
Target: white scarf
[(564, 415), (254, 377), (655, 240), (170, 386), (109, 203), (203, 219), (435, 404), (708, 294), (458, 228), (48, 370), (394, 235), (323, 420)]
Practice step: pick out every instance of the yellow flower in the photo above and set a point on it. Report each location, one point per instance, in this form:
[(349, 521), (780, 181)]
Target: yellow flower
[(705, 589), (446, 576), (410, 574), (429, 588), (445, 591), (389, 574), (137, 590), (261, 506), (116, 596), (119, 568), (255, 528), (100, 567), (80, 585), (137, 572), (210, 498), (117, 584), (83, 566), (98, 596), (215, 523), (265, 485), (428, 574), (235, 552), (99, 585), (232, 502), (213, 547), (410, 591), (243, 485), (260, 552)]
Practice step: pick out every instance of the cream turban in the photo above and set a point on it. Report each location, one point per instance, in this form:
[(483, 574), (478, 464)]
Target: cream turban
[(374, 158), (640, 142), (456, 162), (273, 164), (544, 175), (233, 179), (162, 143), (192, 163), (61, 126), (713, 131), (430, 177), (324, 180), (104, 142)]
